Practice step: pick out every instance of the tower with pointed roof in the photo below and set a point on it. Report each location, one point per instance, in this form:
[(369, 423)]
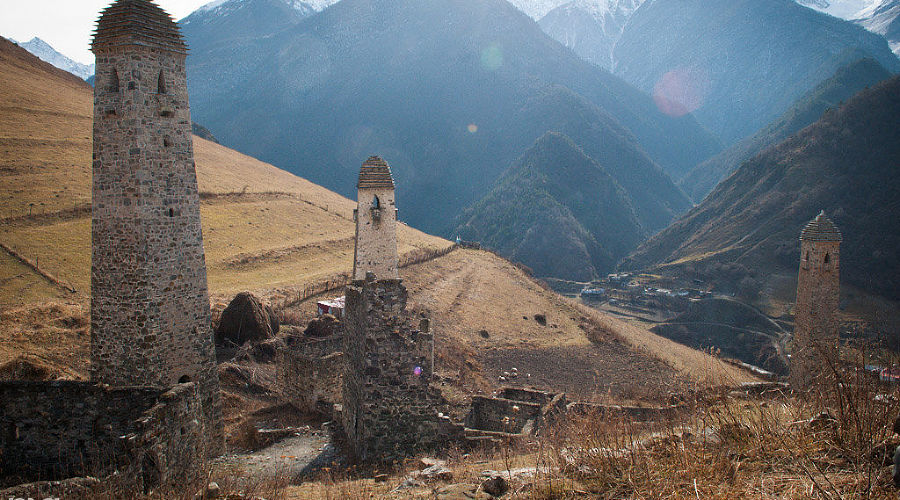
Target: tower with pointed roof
[(150, 320), (376, 222), (818, 295)]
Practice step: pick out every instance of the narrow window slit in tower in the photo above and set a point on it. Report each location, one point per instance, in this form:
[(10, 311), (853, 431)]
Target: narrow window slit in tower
[(171, 212), (113, 82), (827, 258), (161, 83)]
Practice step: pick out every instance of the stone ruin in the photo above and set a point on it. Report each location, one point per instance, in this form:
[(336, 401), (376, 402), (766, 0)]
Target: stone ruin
[(149, 436), (818, 298), (152, 410), (309, 371), (389, 407)]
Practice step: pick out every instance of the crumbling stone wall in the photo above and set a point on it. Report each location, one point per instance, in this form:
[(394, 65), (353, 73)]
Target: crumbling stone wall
[(515, 410), (389, 408), (55, 430), (501, 415), (150, 320), (308, 373)]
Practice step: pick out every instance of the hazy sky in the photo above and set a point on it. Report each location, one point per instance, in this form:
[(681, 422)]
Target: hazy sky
[(67, 24)]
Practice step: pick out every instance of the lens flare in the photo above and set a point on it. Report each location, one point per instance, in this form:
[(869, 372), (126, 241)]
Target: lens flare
[(417, 371), (681, 91), (472, 128), (492, 57)]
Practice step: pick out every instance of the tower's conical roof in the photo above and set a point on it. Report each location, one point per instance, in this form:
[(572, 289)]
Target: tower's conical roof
[(821, 229), (375, 173), (137, 22)]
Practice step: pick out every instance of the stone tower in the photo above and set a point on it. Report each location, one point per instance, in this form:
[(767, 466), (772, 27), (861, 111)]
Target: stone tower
[(150, 321), (818, 294), (376, 222), (390, 410)]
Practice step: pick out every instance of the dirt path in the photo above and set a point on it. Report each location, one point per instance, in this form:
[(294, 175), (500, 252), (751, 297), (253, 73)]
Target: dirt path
[(285, 458)]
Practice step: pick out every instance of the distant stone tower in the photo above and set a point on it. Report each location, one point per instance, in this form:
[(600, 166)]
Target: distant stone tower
[(150, 321), (818, 295), (376, 222)]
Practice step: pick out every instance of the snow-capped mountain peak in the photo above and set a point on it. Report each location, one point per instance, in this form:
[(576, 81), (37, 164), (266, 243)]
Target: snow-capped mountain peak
[(537, 9), (302, 6), (46, 53), (845, 9)]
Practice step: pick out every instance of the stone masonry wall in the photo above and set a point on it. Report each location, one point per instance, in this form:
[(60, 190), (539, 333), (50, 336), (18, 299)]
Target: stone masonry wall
[(501, 415), (150, 321), (55, 430), (389, 408), (167, 447), (376, 235), (815, 324), (308, 374)]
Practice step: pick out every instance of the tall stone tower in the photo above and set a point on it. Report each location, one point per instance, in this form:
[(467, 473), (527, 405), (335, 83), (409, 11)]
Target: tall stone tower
[(150, 321), (376, 222), (818, 295)]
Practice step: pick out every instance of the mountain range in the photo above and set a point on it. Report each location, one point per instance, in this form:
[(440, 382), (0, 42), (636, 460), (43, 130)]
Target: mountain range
[(842, 86), (846, 163), (46, 53), (438, 88), (737, 64), (535, 214)]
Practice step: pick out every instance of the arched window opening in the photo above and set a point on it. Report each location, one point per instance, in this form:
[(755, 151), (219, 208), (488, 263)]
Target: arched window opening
[(161, 83), (827, 258), (171, 212), (376, 203), (184, 379), (113, 82)]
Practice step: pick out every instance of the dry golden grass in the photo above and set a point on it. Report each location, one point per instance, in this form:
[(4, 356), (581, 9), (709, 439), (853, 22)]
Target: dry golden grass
[(55, 334), (724, 447), (579, 350)]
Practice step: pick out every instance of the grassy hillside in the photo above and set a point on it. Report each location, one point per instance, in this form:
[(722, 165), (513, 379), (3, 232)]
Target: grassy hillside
[(262, 226), (848, 80), (846, 163), (537, 215)]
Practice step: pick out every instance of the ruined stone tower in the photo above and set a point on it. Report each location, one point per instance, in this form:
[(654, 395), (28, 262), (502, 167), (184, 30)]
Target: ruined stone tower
[(390, 410), (150, 322), (818, 294), (376, 222)]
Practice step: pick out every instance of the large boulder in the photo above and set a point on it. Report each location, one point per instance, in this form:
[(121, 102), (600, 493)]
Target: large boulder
[(246, 318)]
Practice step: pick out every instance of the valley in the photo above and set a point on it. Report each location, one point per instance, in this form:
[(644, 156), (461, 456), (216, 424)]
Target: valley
[(454, 249)]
